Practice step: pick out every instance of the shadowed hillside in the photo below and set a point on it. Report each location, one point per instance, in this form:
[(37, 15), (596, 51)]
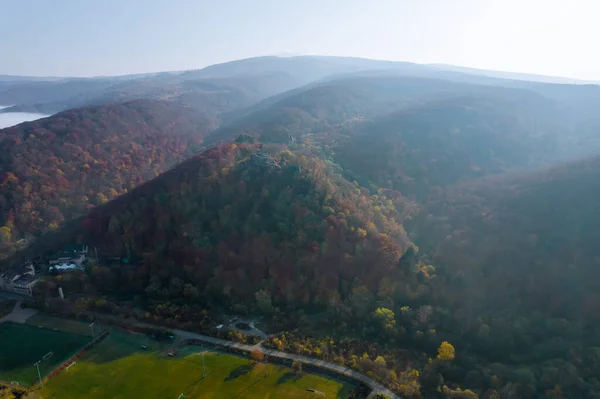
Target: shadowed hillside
[(446, 141), (528, 241)]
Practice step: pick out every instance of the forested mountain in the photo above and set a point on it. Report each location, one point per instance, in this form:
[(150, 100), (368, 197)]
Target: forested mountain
[(369, 210), (247, 226), (528, 77), (305, 69), (444, 141), (243, 82), (280, 232), (215, 95), (522, 241), (415, 134), (55, 168), (259, 78), (521, 259), (330, 104), (52, 96)]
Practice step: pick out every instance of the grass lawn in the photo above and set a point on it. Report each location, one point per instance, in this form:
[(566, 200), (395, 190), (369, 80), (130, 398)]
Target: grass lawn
[(119, 368), (56, 323), (22, 345)]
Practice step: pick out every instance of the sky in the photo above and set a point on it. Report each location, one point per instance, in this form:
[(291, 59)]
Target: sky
[(110, 37)]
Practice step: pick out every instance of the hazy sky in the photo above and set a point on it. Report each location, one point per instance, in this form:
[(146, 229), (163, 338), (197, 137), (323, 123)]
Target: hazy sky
[(110, 37)]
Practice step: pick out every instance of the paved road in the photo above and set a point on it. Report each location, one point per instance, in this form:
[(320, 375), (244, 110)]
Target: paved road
[(336, 368), (18, 314), (375, 386)]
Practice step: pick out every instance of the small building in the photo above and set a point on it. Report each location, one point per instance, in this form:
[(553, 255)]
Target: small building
[(20, 279), (7, 279), (24, 285), (64, 267), (73, 254)]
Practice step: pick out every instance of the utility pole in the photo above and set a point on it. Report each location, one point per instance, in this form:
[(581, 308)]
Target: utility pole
[(93, 335), (37, 365), (97, 321), (203, 367)]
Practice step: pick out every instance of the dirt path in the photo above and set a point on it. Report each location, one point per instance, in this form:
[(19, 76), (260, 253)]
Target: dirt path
[(18, 314)]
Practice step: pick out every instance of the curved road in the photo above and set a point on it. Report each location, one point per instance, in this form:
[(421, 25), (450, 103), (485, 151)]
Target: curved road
[(19, 315), (376, 387)]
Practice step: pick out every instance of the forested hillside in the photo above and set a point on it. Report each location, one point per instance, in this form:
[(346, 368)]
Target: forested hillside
[(371, 219), (445, 141), (520, 257), (327, 106), (247, 228), (213, 96), (527, 242), (279, 232), (56, 168)]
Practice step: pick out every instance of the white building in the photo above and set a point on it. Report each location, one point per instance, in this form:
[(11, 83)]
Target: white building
[(76, 254), (24, 285), (64, 267), (20, 279)]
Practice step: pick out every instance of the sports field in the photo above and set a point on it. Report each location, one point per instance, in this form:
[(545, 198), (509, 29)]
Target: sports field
[(21, 346), (120, 368), (56, 323)]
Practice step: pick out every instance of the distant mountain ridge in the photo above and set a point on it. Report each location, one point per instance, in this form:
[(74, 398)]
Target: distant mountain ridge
[(49, 94), (514, 75)]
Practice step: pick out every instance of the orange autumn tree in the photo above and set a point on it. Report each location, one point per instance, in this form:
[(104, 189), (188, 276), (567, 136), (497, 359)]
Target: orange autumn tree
[(257, 355)]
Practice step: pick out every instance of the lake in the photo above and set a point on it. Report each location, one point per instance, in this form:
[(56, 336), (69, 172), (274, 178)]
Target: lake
[(14, 118)]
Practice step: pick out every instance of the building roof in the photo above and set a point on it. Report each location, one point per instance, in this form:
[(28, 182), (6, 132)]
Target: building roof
[(67, 254), (9, 276), (64, 266), (25, 280)]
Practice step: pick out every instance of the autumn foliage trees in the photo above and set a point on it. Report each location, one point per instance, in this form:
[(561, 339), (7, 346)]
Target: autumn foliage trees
[(254, 229), (257, 355), (445, 351), (57, 168), (506, 270)]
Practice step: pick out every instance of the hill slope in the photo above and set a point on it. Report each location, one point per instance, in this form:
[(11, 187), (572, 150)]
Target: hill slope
[(285, 214), (527, 241), (53, 169), (251, 229), (211, 95), (503, 276), (303, 68), (414, 134), (444, 141), (327, 105)]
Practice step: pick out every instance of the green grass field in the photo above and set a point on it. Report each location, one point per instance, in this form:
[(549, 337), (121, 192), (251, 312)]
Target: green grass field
[(119, 368), (56, 323), (22, 345)]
